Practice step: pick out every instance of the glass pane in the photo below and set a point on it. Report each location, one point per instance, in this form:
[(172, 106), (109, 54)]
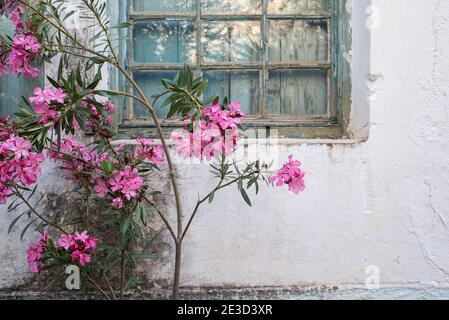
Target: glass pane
[(150, 83), (164, 42), (298, 40), (231, 41), (164, 5), (237, 86), (12, 88), (231, 6), (298, 93), (298, 6)]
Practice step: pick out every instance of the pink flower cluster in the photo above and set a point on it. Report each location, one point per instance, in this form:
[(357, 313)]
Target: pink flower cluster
[(124, 184), (98, 116), (18, 165), (149, 151), (14, 10), (45, 103), (25, 47), (36, 251), (78, 160), (79, 246), (291, 175), (7, 129), (216, 133)]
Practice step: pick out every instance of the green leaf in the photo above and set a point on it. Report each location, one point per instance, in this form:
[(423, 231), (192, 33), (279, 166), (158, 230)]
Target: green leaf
[(144, 256), (14, 222), (53, 82), (25, 229), (122, 25), (105, 93), (245, 197), (126, 224), (211, 197), (143, 215), (79, 80), (131, 283)]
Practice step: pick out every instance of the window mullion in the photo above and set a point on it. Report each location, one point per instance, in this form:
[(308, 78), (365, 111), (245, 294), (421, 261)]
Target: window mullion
[(198, 26), (130, 62), (264, 73)]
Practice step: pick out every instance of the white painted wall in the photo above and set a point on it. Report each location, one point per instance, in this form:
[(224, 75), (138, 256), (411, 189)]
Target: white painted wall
[(382, 202)]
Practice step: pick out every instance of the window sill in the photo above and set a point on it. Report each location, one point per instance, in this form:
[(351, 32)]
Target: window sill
[(325, 130)]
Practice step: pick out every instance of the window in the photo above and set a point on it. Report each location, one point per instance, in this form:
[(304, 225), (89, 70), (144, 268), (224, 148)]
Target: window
[(282, 59), (12, 88)]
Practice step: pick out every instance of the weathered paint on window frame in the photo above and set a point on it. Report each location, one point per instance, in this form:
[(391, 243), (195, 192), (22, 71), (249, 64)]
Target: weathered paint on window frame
[(261, 75)]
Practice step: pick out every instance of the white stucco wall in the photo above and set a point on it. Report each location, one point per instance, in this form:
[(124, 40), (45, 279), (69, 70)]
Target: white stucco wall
[(381, 202)]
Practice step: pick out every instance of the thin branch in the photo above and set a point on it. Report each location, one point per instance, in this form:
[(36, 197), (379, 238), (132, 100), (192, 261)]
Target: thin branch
[(40, 216), (166, 222), (103, 27), (108, 282), (92, 281), (219, 186)]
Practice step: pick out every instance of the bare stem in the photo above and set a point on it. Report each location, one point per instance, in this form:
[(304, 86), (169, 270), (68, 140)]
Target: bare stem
[(92, 281), (163, 217), (201, 201)]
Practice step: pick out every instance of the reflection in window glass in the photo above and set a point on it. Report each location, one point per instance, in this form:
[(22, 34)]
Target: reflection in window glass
[(297, 93), (164, 5), (237, 86), (231, 41), (150, 82), (298, 40), (164, 42), (232, 6), (298, 6)]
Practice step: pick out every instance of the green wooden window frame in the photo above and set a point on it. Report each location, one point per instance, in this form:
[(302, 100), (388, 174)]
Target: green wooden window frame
[(333, 124)]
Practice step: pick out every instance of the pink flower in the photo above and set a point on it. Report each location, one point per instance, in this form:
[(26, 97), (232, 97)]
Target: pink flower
[(82, 257), (18, 165), (215, 134), (291, 175), (101, 112), (148, 151), (36, 251), (66, 241), (127, 182), (14, 10), (117, 202), (5, 192), (25, 49), (44, 103), (101, 187), (79, 246), (77, 159)]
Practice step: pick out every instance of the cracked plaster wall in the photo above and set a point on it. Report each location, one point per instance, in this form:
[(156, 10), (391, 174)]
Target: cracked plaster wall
[(381, 202)]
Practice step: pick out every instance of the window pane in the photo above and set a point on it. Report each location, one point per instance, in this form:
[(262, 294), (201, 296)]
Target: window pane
[(231, 6), (237, 86), (150, 83), (12, 88), (298, 40), (298, 6), (164, 5), (164, 42), (231, 41), (298, 93)]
